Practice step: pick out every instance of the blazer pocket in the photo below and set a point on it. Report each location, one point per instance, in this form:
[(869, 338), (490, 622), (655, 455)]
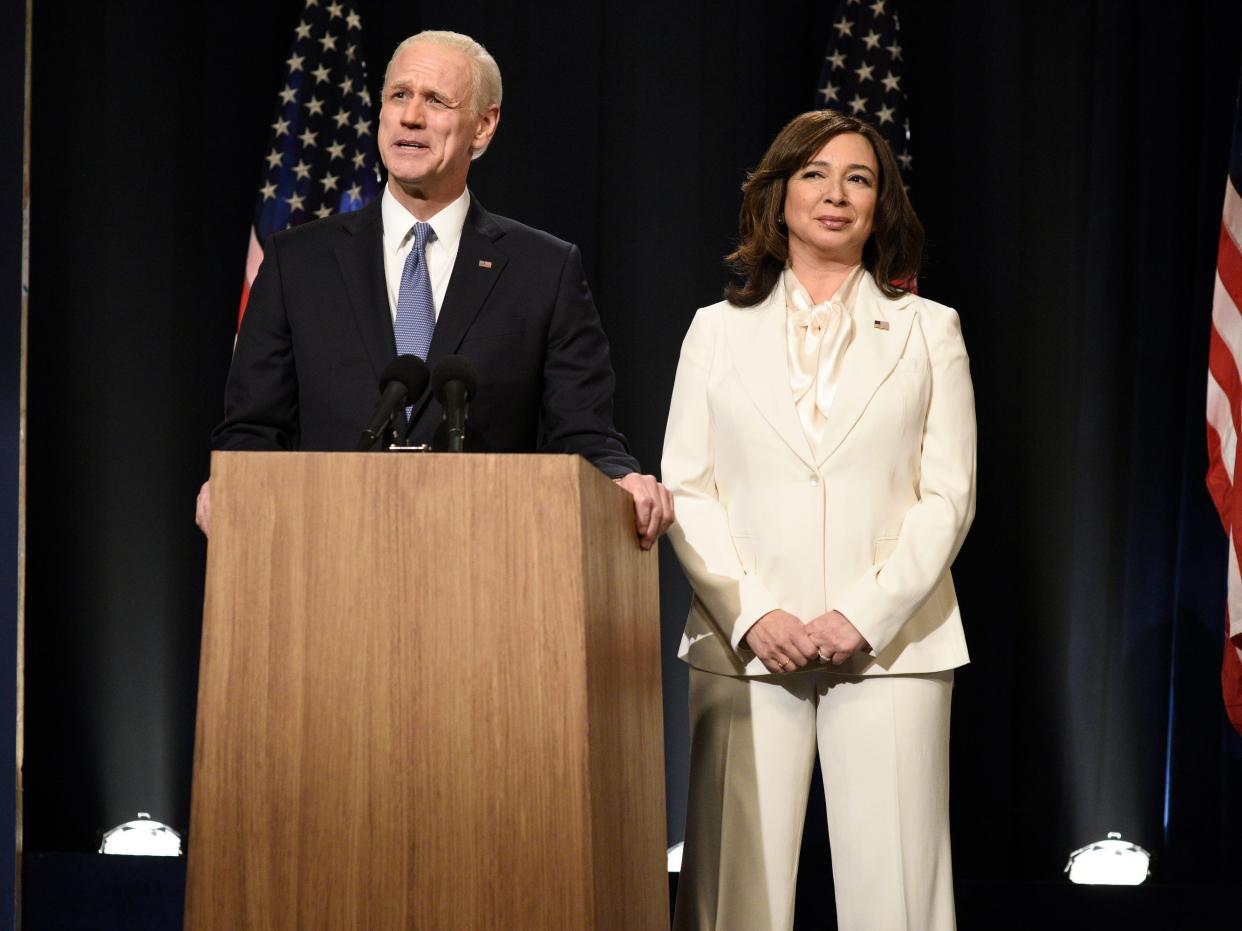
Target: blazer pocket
[(512, 328), (911, 364), (882, 548)]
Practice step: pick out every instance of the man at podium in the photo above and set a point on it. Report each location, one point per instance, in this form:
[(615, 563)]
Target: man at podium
[(426, 270)]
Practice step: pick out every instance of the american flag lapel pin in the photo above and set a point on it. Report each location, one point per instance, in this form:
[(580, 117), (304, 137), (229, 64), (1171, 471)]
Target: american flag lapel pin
[(485, 263), (881, 324)]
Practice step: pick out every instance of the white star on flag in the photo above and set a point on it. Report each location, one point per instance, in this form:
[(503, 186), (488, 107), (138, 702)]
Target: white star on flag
[(320, 77), (864, 44)]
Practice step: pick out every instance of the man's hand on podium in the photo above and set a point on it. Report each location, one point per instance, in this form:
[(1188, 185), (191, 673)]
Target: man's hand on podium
[(653, 507), (202, 509)]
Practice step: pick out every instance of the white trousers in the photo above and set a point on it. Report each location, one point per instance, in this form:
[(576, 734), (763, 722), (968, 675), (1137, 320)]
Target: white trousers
[(884, 752)]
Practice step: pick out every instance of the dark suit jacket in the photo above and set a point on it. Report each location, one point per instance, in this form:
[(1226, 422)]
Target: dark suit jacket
[(318, 333)]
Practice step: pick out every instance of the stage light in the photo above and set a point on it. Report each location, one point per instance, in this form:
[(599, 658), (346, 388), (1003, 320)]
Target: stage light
[(1111, 862), (142, 837), (674, 858)]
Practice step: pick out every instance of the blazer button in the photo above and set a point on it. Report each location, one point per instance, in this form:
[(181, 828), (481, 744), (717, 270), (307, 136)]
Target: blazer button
[(814, 479)]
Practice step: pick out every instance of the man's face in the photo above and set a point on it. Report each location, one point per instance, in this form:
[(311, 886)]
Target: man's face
[(428, 125)]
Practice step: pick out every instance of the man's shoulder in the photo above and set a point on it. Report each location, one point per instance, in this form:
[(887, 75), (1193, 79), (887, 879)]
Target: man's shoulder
[(329, 229), (511, 234)]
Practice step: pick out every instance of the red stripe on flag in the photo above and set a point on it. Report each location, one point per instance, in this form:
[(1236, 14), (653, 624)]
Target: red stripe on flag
[(1229, 266), (1225, 370), (1217, 478), (241, 312)]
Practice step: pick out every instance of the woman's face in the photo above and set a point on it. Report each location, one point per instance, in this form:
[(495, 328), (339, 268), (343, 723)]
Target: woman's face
[(830, 202)]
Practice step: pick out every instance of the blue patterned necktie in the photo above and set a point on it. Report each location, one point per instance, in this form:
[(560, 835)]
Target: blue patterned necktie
[(416, 312)]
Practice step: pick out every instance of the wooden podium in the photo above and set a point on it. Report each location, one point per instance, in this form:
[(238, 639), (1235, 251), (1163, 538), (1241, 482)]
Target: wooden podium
[(429, 698)]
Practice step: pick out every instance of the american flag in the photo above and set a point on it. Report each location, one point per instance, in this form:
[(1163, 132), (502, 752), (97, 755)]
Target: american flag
[(1224, 404), (863, 71), (321, 153)]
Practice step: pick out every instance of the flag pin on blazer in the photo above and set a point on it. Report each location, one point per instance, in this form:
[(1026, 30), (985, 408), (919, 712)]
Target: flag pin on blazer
[(881, 324), (485, 263)]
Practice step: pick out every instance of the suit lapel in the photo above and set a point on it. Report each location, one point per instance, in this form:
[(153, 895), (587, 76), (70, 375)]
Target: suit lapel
[(757, 345), (360, 255), (476, 270), (869, 360)]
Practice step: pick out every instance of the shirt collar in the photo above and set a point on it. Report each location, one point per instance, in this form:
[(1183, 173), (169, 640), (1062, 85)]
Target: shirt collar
[(798, 298), (447, 223)]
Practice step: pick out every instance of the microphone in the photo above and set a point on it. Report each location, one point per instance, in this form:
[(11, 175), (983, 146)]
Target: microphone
[(453, 383), (404, 379)]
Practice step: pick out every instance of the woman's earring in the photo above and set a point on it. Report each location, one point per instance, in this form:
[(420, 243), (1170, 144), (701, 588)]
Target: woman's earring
[(780, 219)]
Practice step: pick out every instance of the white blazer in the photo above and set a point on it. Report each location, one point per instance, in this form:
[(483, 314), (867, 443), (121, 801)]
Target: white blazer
[(867, 524)]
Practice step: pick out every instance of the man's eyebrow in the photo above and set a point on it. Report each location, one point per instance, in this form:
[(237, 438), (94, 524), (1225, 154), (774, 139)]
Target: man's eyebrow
[(403, 84)]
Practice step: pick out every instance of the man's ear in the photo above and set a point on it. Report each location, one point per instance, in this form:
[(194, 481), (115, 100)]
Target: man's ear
[(486, 128)]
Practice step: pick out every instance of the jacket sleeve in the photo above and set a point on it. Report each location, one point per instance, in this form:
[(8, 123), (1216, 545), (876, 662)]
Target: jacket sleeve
[(880, 602), (261, 394), (578, 379), (733, 598)]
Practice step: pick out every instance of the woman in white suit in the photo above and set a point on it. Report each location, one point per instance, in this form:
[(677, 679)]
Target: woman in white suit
[(821, 454)]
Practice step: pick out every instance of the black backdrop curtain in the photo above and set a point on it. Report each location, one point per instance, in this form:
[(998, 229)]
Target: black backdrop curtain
[(1069, 165)]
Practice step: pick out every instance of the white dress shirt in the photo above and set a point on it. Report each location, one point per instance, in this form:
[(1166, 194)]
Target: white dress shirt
[(441, 250), (818, 336)]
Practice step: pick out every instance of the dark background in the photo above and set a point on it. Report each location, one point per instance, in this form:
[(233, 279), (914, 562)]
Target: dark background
[(1069, 167), (12, 90)]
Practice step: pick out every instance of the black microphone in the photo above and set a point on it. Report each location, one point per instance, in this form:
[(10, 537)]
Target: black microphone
[(453, 383), (404, 381)]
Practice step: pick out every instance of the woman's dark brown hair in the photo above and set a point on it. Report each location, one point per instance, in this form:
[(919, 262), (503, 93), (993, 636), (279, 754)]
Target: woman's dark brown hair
[(892, 254)]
